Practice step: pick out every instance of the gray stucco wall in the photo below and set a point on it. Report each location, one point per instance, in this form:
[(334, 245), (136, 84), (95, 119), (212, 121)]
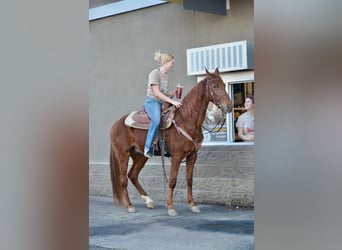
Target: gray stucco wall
[(121, 56)]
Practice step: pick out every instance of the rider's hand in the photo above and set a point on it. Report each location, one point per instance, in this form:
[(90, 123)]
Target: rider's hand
[(176, 104)]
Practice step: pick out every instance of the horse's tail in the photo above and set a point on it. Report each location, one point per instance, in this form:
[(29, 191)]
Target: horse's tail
[(115, 177)]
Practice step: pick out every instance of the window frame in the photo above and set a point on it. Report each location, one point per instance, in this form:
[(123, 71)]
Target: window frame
[(230, 79)]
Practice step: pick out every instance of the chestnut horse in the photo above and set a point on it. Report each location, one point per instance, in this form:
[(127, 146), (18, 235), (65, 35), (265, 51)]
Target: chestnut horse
[(129, 142)]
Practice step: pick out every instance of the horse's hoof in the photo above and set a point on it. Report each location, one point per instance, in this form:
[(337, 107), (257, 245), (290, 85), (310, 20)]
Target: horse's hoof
[(195, 209), (131, 209), (148, 201), (172, 212), (150, 204)]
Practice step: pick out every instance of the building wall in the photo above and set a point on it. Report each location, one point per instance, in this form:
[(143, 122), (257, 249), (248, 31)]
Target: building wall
[(121, 56), (222, 175)]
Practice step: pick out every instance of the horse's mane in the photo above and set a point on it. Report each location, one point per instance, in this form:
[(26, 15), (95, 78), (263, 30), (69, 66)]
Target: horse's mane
[(192, 101)]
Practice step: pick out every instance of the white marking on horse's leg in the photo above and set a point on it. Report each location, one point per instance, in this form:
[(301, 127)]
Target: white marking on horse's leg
[(131, 209), (148, 201), (172, 212), (195, 209)]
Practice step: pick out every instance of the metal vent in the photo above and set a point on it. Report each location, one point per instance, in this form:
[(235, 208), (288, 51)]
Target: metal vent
[(226, 57)]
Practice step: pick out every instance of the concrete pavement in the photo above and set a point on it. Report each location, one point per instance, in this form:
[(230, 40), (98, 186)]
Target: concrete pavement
[(216, 227)]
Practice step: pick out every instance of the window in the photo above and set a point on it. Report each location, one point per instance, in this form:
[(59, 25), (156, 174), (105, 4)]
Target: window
[(239, 92), (213, 133)]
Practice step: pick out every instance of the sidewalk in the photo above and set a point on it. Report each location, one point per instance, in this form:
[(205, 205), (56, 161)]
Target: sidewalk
[(216, 227)]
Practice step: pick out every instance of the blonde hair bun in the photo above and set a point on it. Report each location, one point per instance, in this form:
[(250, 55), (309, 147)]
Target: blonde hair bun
[(162, 58)]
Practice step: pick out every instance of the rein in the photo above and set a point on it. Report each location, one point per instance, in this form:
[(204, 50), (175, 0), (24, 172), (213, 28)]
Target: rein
[(214, 128)]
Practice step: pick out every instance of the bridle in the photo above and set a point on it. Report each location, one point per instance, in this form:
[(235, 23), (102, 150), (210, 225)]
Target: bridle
[(217, 101), (214, 96)]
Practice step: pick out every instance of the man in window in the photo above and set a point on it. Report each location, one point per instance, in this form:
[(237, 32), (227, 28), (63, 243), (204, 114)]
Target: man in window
[(245, 122)]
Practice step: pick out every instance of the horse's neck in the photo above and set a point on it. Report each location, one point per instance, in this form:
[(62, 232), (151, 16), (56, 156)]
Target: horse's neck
[(195, 105)]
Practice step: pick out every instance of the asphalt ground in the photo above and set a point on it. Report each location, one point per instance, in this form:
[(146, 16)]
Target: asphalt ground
[(215, 227)]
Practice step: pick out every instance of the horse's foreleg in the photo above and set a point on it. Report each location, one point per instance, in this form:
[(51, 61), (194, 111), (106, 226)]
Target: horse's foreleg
[(172, 184), (170, 208), (190, 163)]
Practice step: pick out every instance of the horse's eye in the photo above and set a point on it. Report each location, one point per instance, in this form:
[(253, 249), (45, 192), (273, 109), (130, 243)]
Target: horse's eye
[(215, 85)]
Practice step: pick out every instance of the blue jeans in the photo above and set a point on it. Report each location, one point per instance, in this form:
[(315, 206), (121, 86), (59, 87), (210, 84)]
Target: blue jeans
[(153, 109)]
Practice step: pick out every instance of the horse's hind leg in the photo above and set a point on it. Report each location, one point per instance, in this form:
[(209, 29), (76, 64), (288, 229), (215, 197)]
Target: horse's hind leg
[(123, 162), (138, 163)]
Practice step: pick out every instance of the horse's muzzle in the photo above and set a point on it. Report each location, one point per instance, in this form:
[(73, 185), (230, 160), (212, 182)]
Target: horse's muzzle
[(227, 108)]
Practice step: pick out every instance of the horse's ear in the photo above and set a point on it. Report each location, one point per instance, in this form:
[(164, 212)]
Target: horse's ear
[(206, 70), (217, 71)]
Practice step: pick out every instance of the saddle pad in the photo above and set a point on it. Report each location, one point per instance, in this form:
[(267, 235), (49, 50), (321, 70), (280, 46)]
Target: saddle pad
[(138, 119)]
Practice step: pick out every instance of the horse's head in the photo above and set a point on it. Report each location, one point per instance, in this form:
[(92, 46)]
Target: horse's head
[(217, 91)]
